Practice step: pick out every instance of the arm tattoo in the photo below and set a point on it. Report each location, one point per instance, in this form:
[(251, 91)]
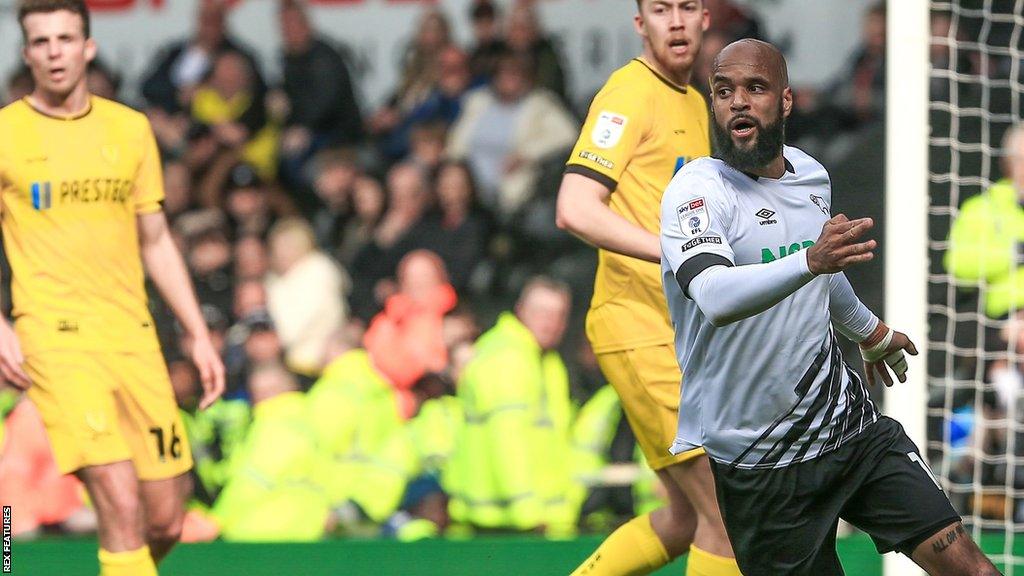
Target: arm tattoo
[(943, 542)]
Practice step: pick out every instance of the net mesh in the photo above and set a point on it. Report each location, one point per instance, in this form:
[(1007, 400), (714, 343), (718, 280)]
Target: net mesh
[(976, 410)]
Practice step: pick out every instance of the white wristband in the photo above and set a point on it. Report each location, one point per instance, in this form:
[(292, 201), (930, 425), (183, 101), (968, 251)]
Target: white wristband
[(877, 352), (895, 359)]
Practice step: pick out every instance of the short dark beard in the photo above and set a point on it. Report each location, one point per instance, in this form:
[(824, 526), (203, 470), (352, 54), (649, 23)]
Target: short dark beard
[(767, 146)]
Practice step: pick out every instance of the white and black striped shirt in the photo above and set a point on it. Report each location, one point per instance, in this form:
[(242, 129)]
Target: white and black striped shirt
[(764, 381)]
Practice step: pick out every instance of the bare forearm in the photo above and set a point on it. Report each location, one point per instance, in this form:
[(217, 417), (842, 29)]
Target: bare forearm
[(166, 268), (582, 212)]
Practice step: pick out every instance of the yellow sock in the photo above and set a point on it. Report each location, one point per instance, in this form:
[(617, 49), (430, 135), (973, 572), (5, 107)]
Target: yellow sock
[(130, 563), (701, 563), (632, 550)]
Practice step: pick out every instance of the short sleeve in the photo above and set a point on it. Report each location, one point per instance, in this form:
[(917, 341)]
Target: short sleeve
[(695, 219), (149, 181), (615, 126)]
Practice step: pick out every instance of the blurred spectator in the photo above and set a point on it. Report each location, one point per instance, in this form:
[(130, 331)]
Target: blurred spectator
[(405, 340), (250, 298), (438, 109), (510, 463), (525, 38), (465, 228), (335, 174), (306, 293), (31, 483), (368, 203), (488, 44), (230, 104), (353, 410), (102, 80), (323, 110), (181, 67), (208, 255), (275, 491), (505, 131), (947, 56), (405, 226), (856, 96), (19, 84), (985, 245), (246, 202), (734, 20), (177, 189), (426, 145), (250, 258), (420, 71), (426, 443), (250, 341)]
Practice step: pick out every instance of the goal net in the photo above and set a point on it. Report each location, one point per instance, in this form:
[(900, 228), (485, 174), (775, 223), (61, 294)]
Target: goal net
[(975, 404)]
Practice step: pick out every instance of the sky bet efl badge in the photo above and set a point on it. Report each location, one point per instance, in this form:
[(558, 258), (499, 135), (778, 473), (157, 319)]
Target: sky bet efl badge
[(693, 217), (608, 129)]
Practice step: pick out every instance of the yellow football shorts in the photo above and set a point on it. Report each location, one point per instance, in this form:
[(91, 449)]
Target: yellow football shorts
[(647, 381), (103, 407)]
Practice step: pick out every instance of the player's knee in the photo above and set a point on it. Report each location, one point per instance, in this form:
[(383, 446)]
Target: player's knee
[(126, 510), (164, 531)]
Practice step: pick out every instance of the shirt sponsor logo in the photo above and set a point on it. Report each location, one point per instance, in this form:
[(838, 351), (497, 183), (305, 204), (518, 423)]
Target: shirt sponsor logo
[(766, 216), (768, 255), (680, 162), (608, 129), (702, 240), (820, 203), (42, 198), (95, 190), (694, 219), (599, 160)]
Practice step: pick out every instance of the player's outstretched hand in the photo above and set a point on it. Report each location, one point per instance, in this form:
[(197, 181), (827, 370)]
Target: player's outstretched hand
[(883, 351), (838, 246), (211, 371), (11, 359)]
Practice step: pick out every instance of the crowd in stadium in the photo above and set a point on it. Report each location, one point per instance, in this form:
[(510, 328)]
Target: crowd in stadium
[(362, 270)]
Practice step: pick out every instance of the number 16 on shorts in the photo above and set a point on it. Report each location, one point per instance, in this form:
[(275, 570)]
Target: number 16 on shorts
[(167, 443)]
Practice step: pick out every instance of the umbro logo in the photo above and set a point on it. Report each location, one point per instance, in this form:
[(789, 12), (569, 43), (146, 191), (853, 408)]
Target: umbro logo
[(766, 216)]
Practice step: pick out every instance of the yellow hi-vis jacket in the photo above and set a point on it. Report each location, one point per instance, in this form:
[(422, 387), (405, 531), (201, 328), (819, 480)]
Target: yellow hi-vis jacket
[(985, 247), (354, 414), (510, 466), (273, 493)]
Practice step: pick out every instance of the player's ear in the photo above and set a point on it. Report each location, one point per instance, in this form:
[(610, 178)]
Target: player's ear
[(90, 49), (787, 102), (706, 22), (638, 24)]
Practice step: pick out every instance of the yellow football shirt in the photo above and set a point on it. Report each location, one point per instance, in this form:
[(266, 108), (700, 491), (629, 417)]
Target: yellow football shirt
[(640, 130), (70, 190)]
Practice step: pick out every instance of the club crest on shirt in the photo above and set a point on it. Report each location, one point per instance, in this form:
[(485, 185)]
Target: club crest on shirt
[(693, 217), (608, 129), (820, 203), (110, 153)]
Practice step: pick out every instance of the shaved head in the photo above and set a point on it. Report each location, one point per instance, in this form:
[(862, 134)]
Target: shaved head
[(764, 57), (750, 101)]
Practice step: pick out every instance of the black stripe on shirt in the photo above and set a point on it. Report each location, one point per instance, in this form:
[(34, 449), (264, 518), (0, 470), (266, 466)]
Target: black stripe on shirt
[(602, 179), (801, 426), (694, 266), (802, 387)]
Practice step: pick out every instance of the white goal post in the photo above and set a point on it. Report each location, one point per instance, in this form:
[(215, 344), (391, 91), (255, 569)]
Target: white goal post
[(906, 216)]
